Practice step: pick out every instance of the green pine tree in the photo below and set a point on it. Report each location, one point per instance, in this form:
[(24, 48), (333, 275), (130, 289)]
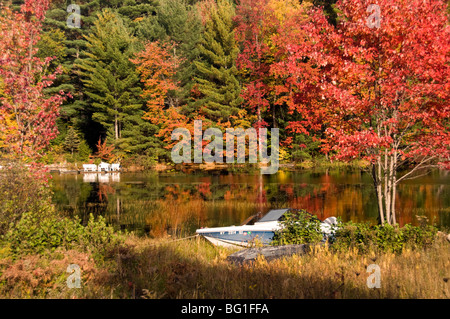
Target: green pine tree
[(138, 137), (72, 141), (113, 86), (108, 74), (76, 111), (83, 151), (217, 79)]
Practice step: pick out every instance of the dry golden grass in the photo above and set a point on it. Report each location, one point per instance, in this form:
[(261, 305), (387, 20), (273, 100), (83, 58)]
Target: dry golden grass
[(166, 268), (195, 269), (45, 276)]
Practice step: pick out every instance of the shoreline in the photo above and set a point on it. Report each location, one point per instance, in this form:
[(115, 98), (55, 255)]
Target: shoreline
[(146, 268), (70, 168)]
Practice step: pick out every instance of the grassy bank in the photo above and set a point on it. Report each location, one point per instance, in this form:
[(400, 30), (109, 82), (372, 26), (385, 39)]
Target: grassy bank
[(38, 245), (142, 166), (163, 268), (195, 269)]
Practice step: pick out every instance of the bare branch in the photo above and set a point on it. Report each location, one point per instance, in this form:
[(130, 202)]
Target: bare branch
[(419, 166), (420, 175)]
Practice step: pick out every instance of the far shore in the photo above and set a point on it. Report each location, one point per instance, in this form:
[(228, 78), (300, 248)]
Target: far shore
[(77, 168)]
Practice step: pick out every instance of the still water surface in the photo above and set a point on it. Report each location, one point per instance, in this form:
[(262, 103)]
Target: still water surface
[(178, 203)]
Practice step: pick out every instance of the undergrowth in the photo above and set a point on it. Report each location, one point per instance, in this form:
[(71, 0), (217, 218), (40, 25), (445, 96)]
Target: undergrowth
[(301, 227)]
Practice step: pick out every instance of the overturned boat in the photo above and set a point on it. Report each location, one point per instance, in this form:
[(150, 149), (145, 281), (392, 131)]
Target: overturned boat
[(261, 231)]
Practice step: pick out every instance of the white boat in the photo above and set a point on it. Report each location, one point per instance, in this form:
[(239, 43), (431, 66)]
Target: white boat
[(262, 231)]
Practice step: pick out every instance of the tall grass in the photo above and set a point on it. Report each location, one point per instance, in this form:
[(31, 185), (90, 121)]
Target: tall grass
[(164, 268), (195, 269)]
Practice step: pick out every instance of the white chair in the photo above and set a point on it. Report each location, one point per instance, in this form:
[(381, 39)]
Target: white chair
[(90, 167), (104, 167)]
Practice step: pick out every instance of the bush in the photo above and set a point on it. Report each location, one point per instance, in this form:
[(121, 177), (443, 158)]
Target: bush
[(29, 223), (357, 235), (146, 161), (35, 234), (83, 152), (385, 238), (298, 227), (20, 192)]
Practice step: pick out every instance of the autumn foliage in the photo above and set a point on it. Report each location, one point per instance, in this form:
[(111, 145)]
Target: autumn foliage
[(157, 67), (104, 152), (374, 93), (377, 92), (387, 90), (27, 115)]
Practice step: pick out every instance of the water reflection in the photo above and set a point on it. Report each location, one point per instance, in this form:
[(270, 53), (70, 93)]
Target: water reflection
[(101, 177), (179, 203), (89, 177)]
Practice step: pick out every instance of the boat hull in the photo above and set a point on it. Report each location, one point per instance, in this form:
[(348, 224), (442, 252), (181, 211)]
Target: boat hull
[(261, 232), (225, 243)]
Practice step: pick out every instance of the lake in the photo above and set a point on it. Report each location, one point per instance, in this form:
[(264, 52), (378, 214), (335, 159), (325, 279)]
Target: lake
[(177, 203)]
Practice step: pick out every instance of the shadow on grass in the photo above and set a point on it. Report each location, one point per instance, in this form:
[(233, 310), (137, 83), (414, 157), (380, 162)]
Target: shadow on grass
[(199, 270)]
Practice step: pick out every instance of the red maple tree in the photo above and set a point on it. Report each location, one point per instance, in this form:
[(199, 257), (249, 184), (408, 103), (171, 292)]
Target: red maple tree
[(377, 92), (27, 114), (278, 40), (387, 90), (252, 61)]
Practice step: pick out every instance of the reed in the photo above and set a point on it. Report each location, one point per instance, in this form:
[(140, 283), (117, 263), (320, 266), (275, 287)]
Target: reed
[(179, 217), (195, 269), (166, 268)]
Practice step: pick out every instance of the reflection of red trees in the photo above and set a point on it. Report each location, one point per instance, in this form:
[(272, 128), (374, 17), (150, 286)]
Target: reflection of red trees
[(103, 191), (205, 189), (327, 200), (173, 192), (244, 196), (247, 192), (288, 189), (407, 207)]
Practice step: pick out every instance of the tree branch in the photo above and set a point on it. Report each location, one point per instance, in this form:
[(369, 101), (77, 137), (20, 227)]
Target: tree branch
[(419, 166)]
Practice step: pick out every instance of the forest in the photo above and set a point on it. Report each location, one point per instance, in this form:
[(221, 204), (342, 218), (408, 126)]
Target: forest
[(132, 71), (346, 80), (343, 81)]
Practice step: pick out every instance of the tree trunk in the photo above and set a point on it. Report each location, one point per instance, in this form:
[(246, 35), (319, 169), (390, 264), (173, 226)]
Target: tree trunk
[(274, 119), (116, 127), (377, 186), (385, 184), (391, 188), (387, 193), (394, 187)]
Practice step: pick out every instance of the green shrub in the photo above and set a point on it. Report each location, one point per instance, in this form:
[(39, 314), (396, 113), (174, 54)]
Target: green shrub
[(98, 237), (299, 227), (358, 235), (20, 192), (419, 236), (35, 234), (83, 152), (387, 238)]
